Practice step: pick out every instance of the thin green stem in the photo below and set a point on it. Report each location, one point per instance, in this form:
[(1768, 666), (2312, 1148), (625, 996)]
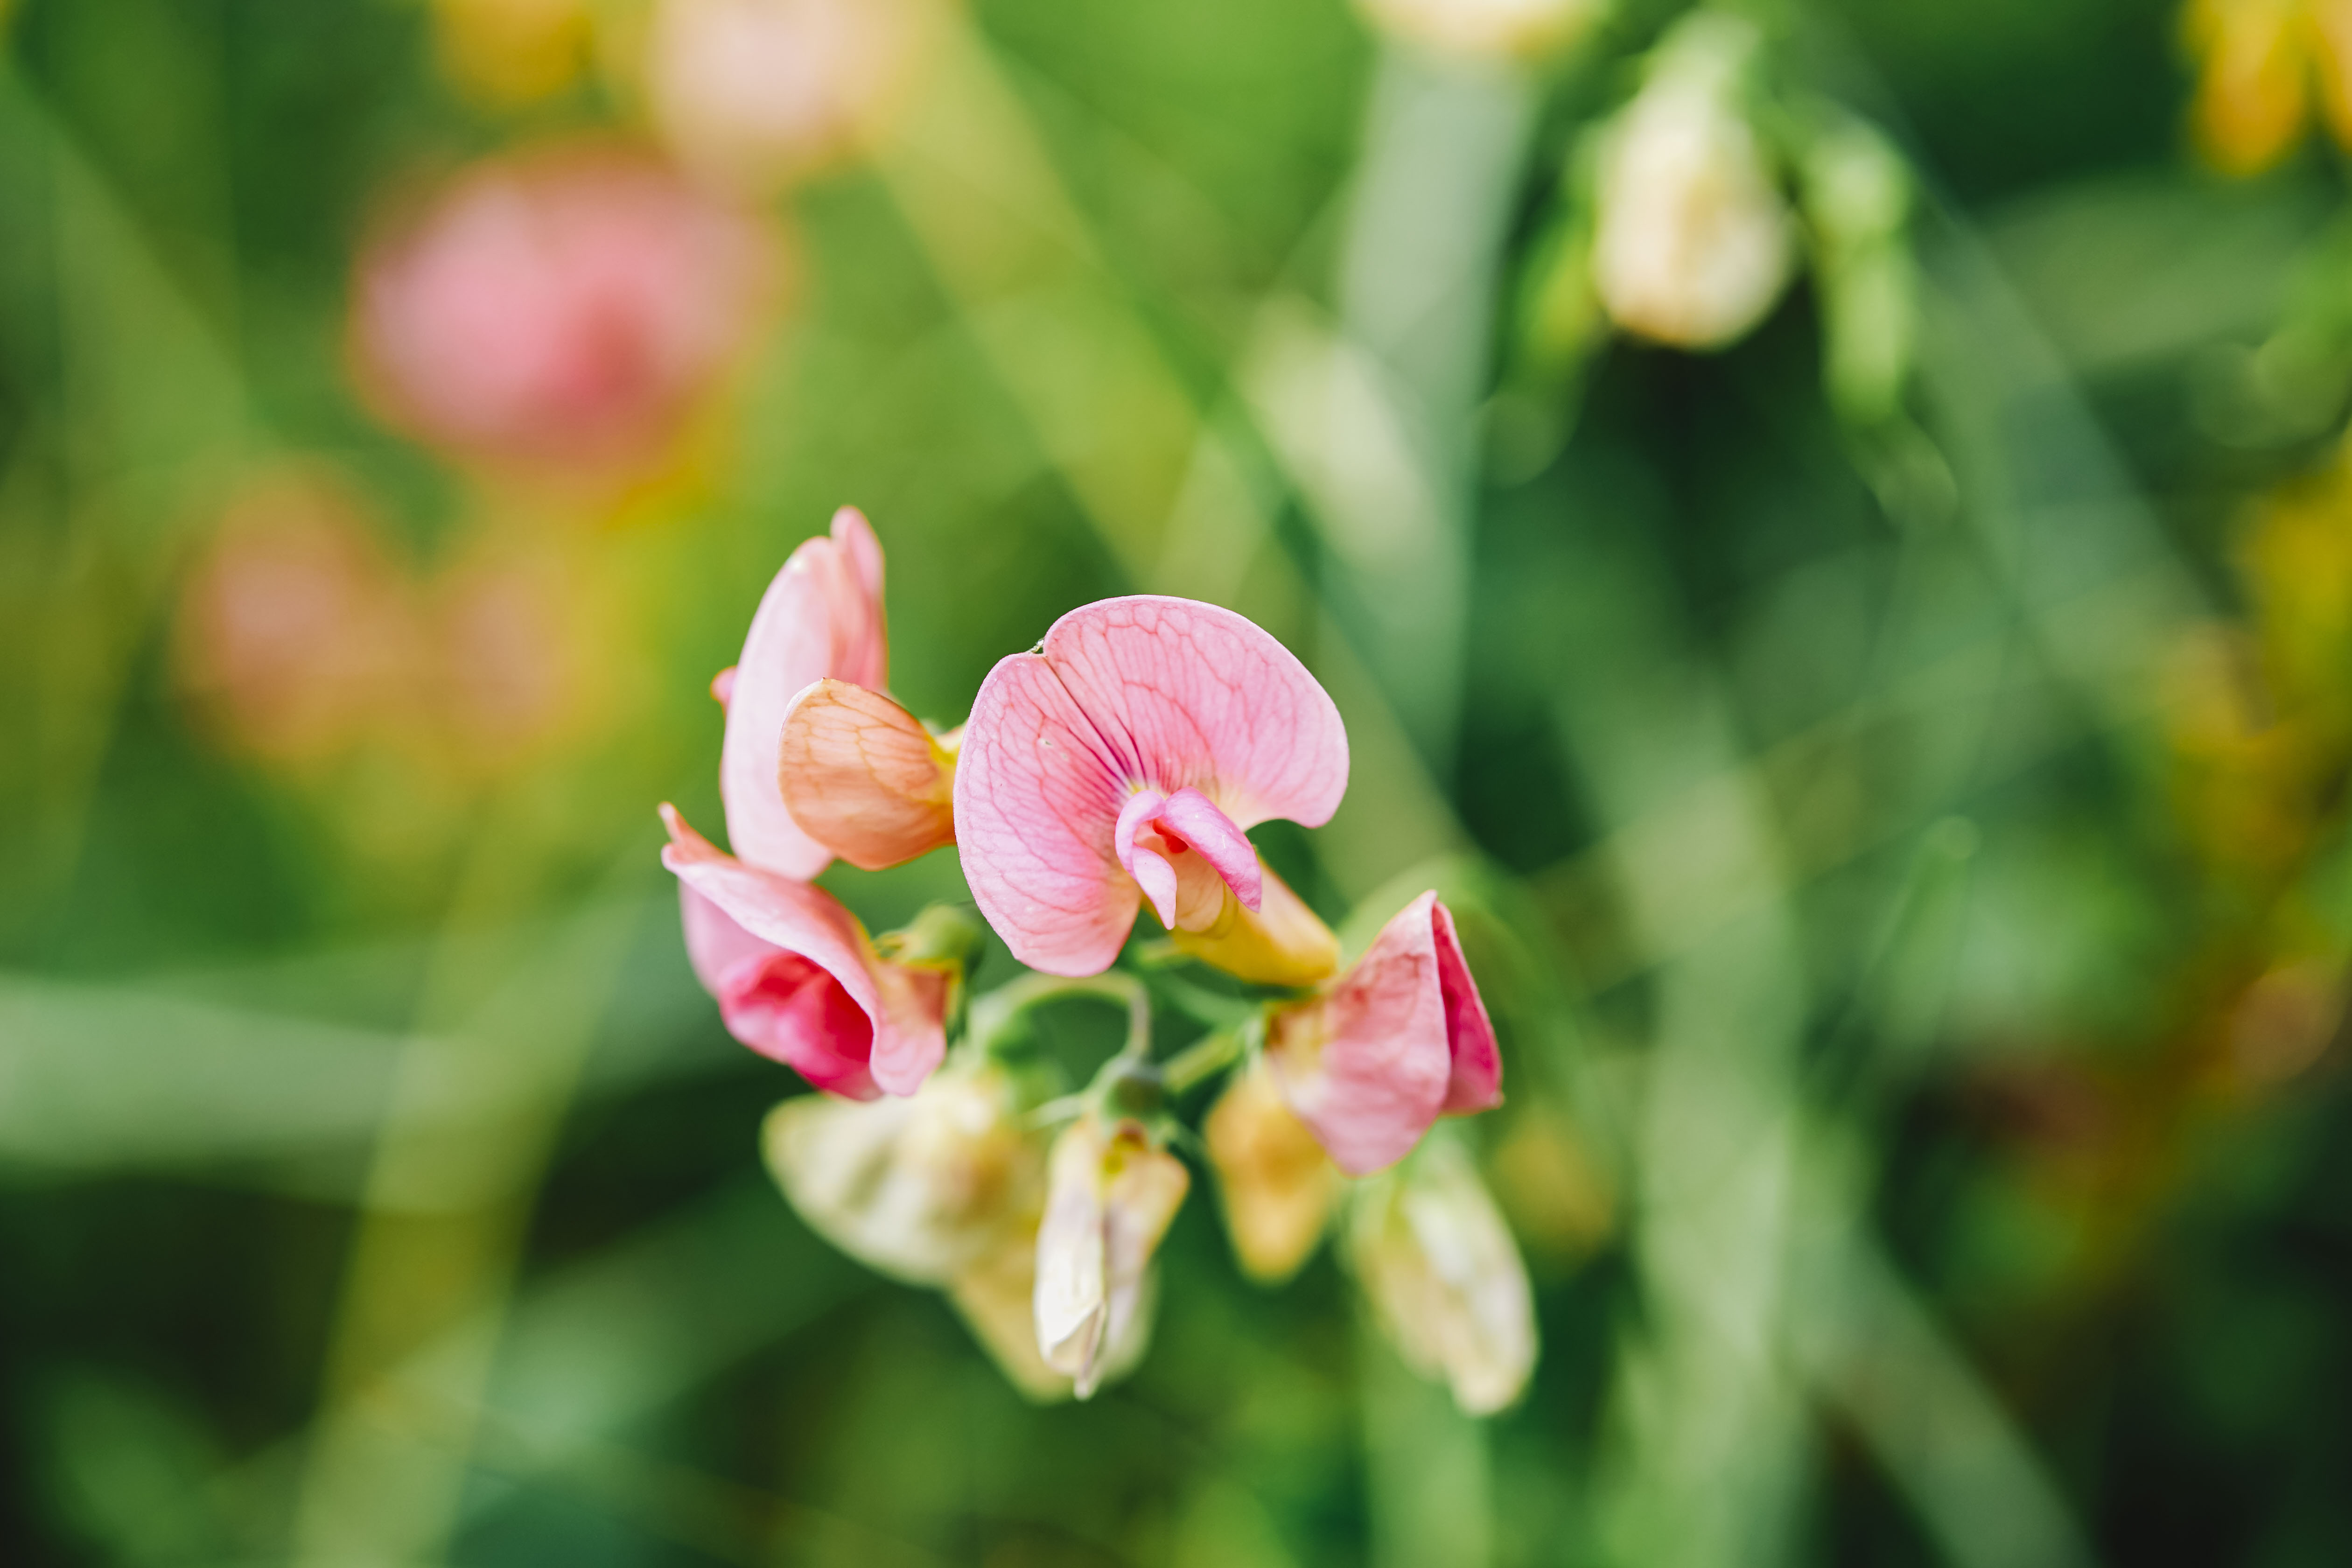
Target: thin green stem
[(996, 1015)]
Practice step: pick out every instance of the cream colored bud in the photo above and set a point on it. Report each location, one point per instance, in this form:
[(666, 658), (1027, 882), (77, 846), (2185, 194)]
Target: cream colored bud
[(1445, 1277), (1692, 241), (1111, 1196), (1275, 1183), (755, 93), (920, 1188), (1485, 29)]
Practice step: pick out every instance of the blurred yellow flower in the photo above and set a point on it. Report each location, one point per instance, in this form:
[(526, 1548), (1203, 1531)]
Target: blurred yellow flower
[(2257, 62), (508, 53)]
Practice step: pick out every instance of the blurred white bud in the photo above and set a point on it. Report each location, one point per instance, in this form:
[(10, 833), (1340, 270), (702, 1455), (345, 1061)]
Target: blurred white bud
[(754, 93), (1445, 1277), (1111, 1196), (922, 1188), (1485, 29), (1275, 1183), (1692, 241)]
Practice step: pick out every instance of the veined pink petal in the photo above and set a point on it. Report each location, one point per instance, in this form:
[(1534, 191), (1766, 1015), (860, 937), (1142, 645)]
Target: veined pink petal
[(1401, 1039), (839, 1004), (1475, 1082), (821, 617), (1366, 1064), (1126, 696)]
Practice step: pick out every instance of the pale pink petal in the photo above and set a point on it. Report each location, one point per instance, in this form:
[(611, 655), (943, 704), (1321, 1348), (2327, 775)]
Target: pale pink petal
[(821, 617), (863, 777), (1150, 871), (722, 685), (1035, 807), (892, 1016), (1475, 1082), (1366, 1064), (1212, 835), (1142, 693)]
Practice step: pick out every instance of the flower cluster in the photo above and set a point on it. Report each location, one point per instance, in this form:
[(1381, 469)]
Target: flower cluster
[(1118, 765)]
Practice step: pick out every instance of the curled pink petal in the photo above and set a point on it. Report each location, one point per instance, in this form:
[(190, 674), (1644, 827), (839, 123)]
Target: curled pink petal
[(1125, 696), (1212, 835), (820, 617), (1475, 1080), (778, 1003), (1401, 1039), (838, 1004)]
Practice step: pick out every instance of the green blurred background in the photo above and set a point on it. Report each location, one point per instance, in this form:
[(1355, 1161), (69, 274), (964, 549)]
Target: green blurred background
[(1898, 816)]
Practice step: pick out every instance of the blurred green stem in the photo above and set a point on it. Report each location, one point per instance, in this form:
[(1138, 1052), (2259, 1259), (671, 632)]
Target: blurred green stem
[(997, 1015)]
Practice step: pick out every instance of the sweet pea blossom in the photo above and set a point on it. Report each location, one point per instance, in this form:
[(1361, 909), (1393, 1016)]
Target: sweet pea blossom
[(1121, 762), (1401, 1039), (816, 761), (1445, 1278), (924, 1188), (1110, 1195), (798, 979), (561, 310)]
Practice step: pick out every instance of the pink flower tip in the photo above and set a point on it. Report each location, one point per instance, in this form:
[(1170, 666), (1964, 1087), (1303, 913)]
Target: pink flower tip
[(1401, 1039)]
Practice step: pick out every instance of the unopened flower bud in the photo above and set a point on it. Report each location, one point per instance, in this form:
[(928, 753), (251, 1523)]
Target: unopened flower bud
[(921, 1188), (1110, 1198), (1275, 1181), (1691, 240), (1445, 1277)]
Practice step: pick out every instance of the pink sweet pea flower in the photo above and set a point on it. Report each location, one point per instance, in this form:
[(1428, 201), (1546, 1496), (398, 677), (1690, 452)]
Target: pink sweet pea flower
[(1122, 761), (798, 979), (563, 310), (1400, 1040), (817, 761)]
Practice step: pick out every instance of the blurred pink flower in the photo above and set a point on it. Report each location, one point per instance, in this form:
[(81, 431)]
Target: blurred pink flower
[(1400, 1040), (295, 630), (798, 979), (1123, 759), (753, 93), (562, 309)]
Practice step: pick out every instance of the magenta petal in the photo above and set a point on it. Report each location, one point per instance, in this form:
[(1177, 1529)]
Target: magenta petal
[(778, 1003), (1367, 1065), (821, 617), (1142, 693), (884, 1016), (1212, 835), (1476, 1079)]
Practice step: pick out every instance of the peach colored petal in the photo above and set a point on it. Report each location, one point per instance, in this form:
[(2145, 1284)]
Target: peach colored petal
[(884, 1014), (820, 617), (1125, 696), (863, 777)]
